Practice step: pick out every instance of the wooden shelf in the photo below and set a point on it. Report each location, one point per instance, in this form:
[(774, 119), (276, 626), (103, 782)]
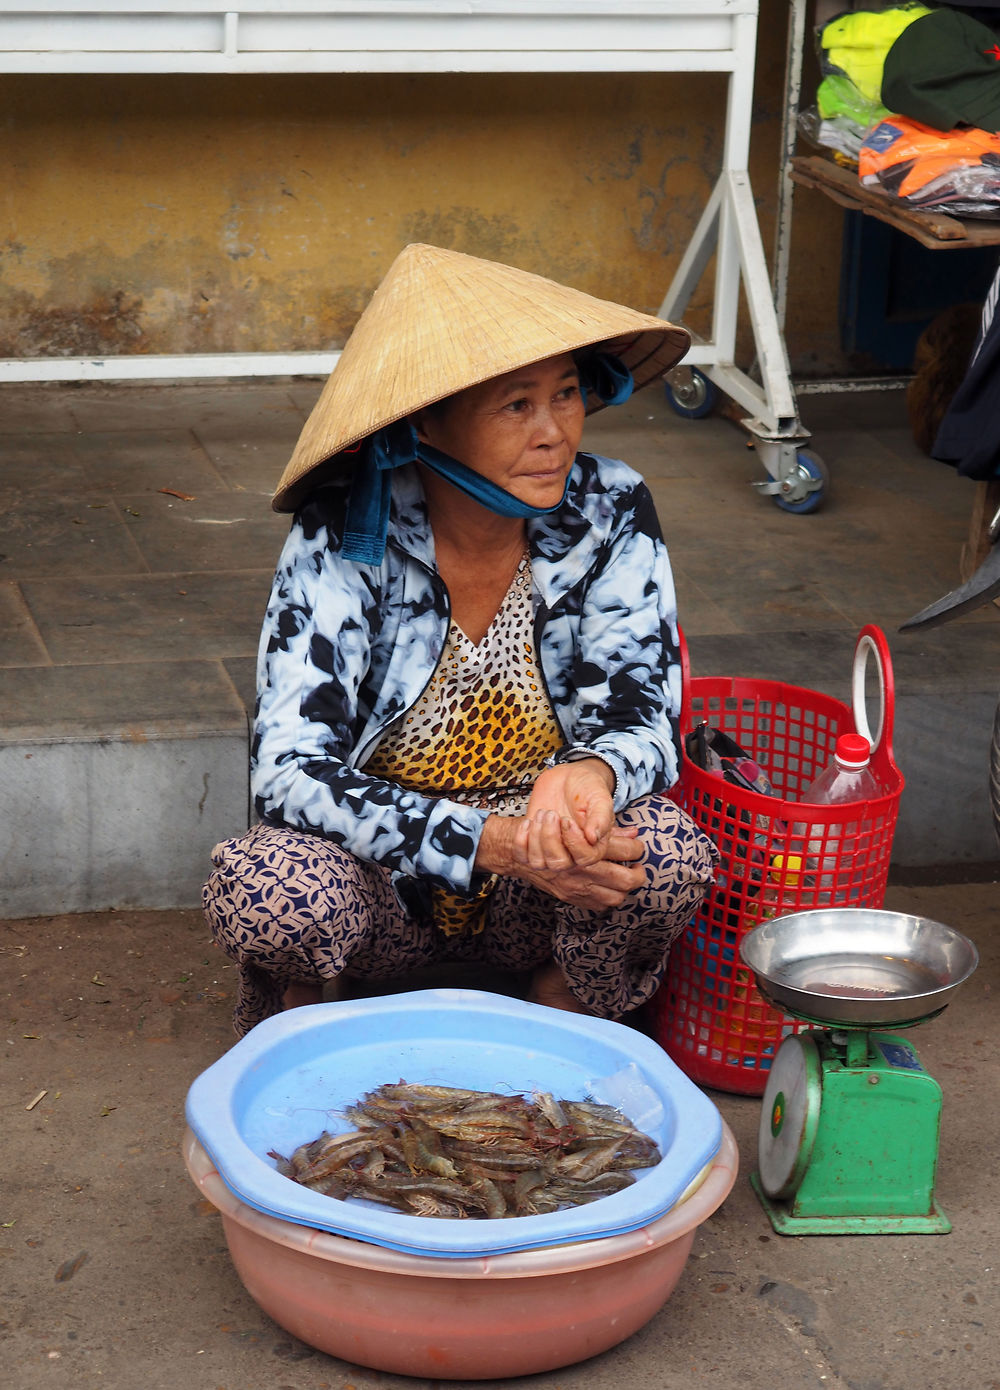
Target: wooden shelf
[(935, 230)]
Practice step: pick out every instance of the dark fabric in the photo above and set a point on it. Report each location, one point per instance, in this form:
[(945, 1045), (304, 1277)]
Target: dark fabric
[(969, 434), (944, 70), (606, 376)]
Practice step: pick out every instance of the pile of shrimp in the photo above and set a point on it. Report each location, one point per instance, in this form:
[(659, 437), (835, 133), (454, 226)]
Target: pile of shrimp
[(446, 1152)]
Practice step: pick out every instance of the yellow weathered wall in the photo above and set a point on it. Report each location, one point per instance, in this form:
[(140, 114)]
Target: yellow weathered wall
[(187, 214)]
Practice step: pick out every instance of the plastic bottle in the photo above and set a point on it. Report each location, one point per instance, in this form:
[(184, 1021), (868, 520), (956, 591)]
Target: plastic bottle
[(848, 778), (830, 848)]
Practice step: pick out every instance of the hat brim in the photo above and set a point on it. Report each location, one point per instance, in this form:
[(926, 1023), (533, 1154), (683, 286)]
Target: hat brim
[(420, 341)]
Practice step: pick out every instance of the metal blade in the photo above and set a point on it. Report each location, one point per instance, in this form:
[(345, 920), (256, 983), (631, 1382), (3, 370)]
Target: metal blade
[(983, 586)]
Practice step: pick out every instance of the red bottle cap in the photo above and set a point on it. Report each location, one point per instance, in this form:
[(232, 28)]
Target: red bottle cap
[(852, 750)]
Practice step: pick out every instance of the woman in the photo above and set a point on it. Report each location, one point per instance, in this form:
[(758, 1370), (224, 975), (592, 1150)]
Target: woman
[(468, 681)]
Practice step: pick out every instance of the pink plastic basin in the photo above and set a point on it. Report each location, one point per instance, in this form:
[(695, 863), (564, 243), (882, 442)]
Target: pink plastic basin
[(488, 1318)]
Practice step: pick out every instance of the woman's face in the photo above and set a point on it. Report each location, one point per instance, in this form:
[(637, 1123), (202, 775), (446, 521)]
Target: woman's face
[(520, 430)]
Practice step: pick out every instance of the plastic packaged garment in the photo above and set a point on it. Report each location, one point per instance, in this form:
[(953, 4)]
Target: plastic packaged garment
[(837, 133), (956, 171), (842, 116), (852, 49), (838, 98)]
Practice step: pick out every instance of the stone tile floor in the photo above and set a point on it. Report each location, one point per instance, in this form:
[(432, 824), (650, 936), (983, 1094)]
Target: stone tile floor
[(136, 525), (138, 544)]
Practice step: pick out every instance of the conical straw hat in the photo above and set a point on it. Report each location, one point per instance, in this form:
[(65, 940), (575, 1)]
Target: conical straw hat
[(441, 321)]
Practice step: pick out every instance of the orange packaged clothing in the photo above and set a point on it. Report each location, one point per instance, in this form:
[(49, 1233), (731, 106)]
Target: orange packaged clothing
[(957, 171)]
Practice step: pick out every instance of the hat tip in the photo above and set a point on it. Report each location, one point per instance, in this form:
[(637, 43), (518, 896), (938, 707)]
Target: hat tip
[(427, 251)]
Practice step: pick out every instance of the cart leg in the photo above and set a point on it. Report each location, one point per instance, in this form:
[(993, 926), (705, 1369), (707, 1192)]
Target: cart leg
[(728, 226), (700, 250)]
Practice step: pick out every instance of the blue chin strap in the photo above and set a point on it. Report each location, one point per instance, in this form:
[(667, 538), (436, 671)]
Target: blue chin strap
[(606, 376), (397, 444)]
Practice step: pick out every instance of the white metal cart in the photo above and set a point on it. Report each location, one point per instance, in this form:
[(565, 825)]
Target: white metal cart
[(937, 231), (462, 36)]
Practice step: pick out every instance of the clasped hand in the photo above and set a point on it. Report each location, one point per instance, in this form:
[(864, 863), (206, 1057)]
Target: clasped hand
[(568, 844)]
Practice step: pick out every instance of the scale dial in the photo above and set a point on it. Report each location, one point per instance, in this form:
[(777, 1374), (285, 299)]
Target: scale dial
[(789, 1116)]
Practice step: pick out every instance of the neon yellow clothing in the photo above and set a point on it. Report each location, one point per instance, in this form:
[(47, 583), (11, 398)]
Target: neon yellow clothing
[(837, 95), (857, 43)]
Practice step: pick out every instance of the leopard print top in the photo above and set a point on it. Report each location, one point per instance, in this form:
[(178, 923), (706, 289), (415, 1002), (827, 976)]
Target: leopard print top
[(479, 734)]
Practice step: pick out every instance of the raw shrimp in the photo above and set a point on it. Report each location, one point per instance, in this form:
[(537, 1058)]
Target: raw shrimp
[(447, 1152)]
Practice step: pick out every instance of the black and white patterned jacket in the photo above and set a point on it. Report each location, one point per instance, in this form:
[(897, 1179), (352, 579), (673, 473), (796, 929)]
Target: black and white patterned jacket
[(347, 648)]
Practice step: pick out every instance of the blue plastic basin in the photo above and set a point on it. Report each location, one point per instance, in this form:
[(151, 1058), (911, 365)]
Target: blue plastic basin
[(290, 1078)]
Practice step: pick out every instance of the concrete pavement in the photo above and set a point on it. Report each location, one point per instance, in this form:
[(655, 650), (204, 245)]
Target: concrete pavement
[(116, 1274)]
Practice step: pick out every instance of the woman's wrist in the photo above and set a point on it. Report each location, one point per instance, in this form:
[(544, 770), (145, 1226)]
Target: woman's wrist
[(602, 769), (495, 853), (579, 754)]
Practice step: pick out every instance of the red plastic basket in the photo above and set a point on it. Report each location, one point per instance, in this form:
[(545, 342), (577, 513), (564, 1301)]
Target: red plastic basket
[(777, 855)]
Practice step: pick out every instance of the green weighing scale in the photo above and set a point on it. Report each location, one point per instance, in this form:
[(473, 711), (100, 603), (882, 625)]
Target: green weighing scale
[(848, 1136)]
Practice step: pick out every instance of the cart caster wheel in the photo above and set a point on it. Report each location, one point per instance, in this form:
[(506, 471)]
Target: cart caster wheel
[(810, 473), (691, 394)]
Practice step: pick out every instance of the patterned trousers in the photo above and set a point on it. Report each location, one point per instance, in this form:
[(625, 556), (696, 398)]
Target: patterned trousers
[(292, 907)]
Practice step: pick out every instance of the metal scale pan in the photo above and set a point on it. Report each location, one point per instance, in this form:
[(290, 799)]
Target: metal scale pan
[(849, 1127), (858, 967)]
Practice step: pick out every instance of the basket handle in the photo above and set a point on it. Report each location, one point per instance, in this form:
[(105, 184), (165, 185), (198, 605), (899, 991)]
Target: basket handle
[(871, 642)]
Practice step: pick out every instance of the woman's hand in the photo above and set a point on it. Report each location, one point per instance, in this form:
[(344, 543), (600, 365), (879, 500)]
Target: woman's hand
[(596, 886), (570, 815), (567, 844)]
